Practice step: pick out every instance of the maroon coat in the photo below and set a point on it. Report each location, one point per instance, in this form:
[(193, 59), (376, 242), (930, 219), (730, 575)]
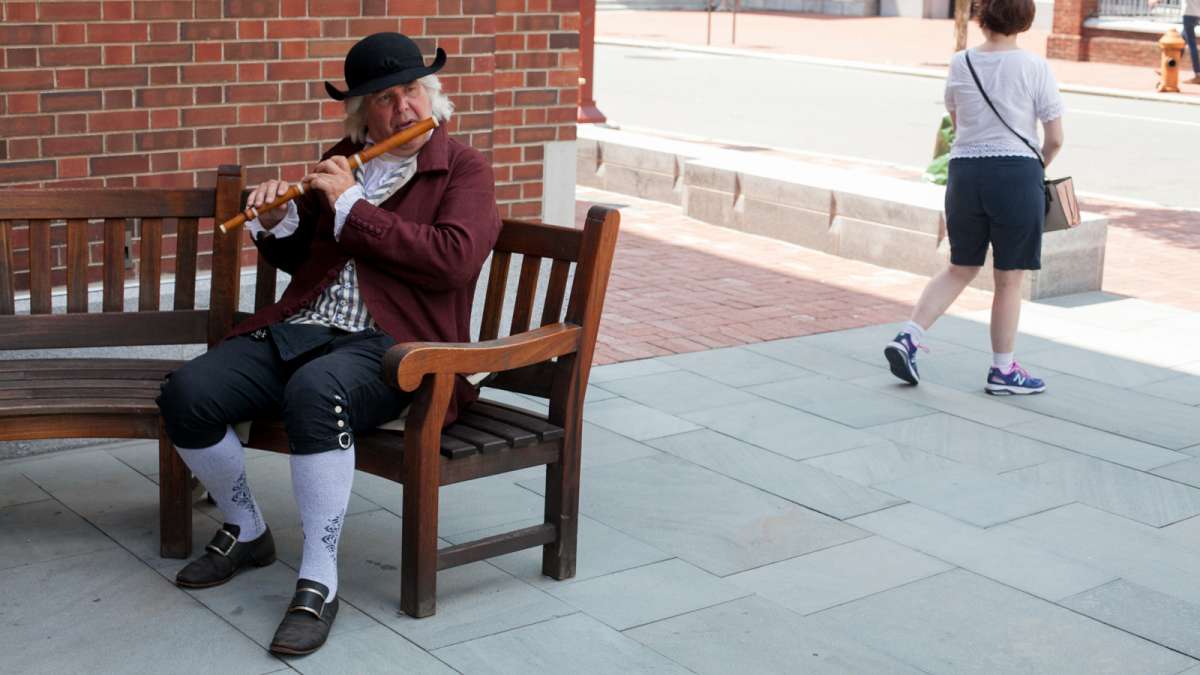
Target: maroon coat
[(418, 254)]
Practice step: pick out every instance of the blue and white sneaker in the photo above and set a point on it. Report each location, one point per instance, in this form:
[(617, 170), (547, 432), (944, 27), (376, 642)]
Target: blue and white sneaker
[(901, 354), (1016, 381)]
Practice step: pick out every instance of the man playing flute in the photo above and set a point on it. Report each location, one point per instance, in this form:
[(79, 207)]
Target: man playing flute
[(383, 254)]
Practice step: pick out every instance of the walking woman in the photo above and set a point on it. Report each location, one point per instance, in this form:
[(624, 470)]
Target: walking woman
[(996, 94)]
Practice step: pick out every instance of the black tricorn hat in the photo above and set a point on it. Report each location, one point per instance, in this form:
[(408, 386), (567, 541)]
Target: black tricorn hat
[(383, 60)]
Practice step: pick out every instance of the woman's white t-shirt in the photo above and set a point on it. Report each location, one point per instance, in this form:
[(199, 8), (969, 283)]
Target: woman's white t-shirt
[(1021, 87)]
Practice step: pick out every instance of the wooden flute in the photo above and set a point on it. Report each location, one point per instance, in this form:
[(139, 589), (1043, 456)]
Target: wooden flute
[(356, 160)]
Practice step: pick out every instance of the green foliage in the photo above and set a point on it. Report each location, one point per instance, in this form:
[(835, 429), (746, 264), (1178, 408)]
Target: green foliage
[(936, 171)]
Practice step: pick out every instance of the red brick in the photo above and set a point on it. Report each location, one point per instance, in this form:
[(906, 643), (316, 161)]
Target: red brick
[(209, 95), (21, 58), (124, 120), (208, 52), (209, 72), (23, 148), (251, 156), (534, 134), (294, 91), (164, 161), (537, 22), (70, 78), (197, 31), (535, 97), (164, 75), (22, 103), (118, 10), (121, 164), (251, 93), (118, 77), (441, 26), (293, 28), (118, 143), (164, 119), (117, 32), (163, 140), (330, 48), (292, 133), (334, 28), (26, 35), (209, 117), (478, 7), (206, 159), (333, 7), (73, 167), (251, 30), (209, 138), (301, 70), (294, 50), (164, 32), (161, 10), (180, 53), (72, 124), (68, 11), (164, 97), (251, 51), (374, 7), (374, 25), (250, 135), (564, 41), (12, 126), (118, 55), (72, 100), (69, 56), (293, 112), (252, 114), (251, 8)]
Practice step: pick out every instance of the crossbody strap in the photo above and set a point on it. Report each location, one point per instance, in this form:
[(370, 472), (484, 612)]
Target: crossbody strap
[(979, 84)]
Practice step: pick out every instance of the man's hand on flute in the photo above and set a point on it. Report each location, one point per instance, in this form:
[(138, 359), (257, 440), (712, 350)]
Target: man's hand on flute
[(331, 177), (265, 193)]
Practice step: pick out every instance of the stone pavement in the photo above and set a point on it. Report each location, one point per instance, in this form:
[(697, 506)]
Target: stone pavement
[(890, 41), (783, 506)]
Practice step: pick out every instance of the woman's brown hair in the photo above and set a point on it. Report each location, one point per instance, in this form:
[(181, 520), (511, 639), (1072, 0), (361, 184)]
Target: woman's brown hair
[(1007, 17)]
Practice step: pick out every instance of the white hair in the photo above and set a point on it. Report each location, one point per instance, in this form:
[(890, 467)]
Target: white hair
[(355, 122)]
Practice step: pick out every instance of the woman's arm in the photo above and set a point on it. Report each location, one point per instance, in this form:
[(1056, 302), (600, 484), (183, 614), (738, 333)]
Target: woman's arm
[(1053, 141)]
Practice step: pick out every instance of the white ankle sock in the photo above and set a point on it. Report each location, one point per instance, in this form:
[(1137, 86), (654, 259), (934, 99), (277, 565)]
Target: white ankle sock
[(321, 483), (917, 333), (222, 469), (1002, 361)]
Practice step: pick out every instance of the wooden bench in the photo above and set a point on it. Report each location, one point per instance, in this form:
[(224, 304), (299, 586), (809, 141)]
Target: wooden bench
[(114, 398)]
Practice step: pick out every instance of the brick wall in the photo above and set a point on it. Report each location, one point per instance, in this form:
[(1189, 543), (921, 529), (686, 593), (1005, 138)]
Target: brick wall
[(160, 92), (1073, 41)]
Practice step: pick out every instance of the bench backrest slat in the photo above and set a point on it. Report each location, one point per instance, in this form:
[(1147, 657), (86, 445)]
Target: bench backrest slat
[(186, 234), (531, 267), (555, 292), (150, 267), (493, 304), (72, 237), (77, 261), (114, 265)]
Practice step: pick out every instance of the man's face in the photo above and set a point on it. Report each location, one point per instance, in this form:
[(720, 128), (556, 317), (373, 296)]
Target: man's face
[(391, 110)]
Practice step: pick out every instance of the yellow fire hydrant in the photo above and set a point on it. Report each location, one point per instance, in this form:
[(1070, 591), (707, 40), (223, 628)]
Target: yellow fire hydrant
[(1172, 45)]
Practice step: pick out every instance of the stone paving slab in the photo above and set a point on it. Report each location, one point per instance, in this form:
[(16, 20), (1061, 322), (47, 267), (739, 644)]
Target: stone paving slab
[(976, 496), (970, 443), (1160, 618), (782, 429), (958, 622)]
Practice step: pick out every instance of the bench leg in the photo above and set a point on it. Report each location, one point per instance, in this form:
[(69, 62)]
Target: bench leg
[(562, 511), (174, 500), (419, 555)]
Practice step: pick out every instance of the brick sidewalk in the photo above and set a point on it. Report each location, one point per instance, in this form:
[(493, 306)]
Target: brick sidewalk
[(896, 41), (679, 285)]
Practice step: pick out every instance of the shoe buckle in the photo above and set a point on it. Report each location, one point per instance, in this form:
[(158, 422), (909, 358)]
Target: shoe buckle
[(215, 544), (302, 605)]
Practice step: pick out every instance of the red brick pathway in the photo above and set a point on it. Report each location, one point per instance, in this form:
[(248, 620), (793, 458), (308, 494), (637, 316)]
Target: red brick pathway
[(679, 285)]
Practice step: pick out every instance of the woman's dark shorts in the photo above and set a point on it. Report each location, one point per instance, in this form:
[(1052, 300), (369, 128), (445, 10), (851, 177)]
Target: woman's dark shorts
[(996, 200)]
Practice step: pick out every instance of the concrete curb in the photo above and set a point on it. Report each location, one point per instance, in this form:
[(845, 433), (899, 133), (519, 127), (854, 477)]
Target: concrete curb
[(936, 73), (883, 220)]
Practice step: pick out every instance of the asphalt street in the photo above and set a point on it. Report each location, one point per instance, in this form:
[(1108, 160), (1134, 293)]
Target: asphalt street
[(1133, 149)]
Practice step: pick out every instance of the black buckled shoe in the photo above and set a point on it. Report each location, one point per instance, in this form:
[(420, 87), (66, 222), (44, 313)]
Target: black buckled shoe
[(225, 556), (306, 623)]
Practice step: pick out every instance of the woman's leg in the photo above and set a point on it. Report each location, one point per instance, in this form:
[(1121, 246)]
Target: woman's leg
[(940, 293), (1189, 36), (1006, 309)]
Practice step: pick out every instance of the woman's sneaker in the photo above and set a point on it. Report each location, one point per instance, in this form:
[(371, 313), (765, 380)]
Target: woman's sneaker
[(1015, 381), (901, 354)]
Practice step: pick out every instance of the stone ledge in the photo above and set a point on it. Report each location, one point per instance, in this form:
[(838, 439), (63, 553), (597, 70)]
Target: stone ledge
[(878, 219)]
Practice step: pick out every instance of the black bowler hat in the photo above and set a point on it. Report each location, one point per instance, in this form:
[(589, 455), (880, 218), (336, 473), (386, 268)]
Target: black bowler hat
[(383, 60)]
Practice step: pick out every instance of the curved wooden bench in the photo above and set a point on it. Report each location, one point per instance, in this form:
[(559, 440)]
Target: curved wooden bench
[(114, 398)]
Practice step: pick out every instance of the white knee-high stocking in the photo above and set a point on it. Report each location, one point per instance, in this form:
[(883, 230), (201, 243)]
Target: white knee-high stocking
[(321, 483), (222, 469)]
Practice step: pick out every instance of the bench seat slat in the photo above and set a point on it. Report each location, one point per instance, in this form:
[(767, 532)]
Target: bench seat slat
[(519, 418), (487, 443), (513, 436)]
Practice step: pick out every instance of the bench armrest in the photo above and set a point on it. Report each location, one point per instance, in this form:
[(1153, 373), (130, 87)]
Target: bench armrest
[(409, 362)]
